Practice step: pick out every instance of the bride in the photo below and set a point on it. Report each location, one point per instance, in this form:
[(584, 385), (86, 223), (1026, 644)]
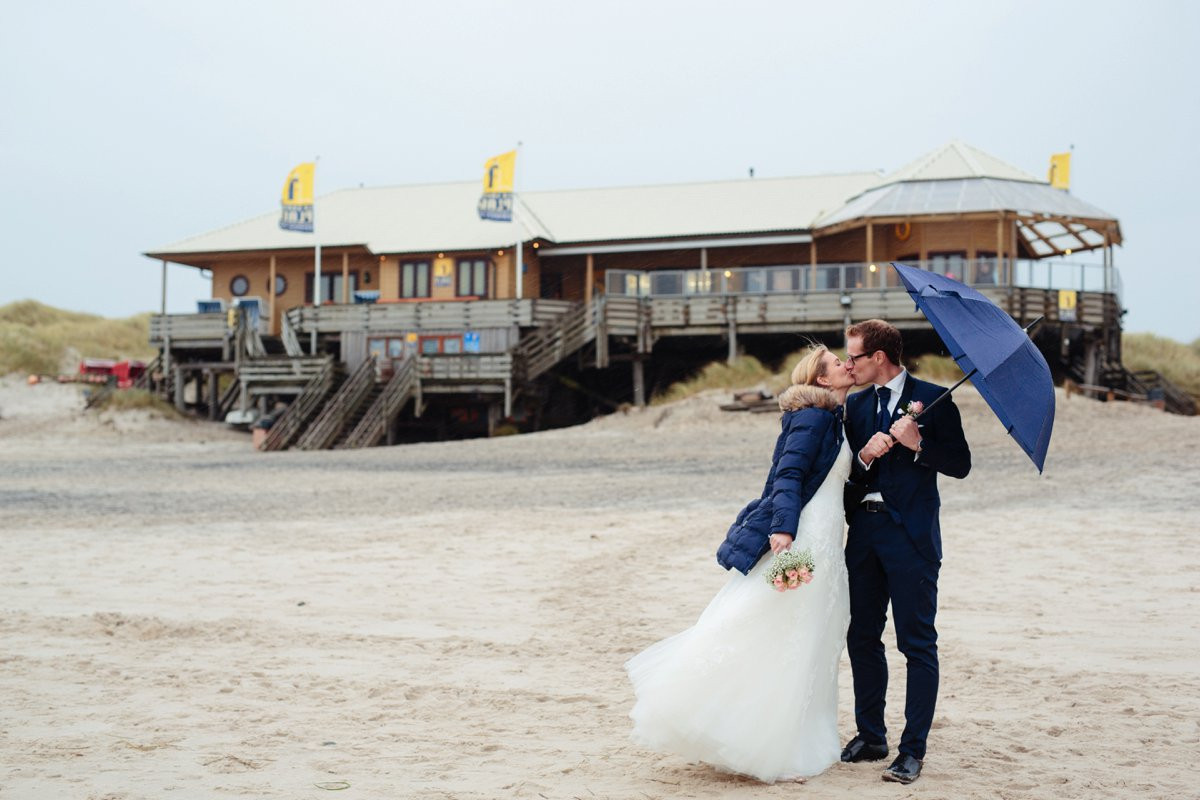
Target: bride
[(751, 688)]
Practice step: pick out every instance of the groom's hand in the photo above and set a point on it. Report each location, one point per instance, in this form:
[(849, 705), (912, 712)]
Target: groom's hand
[(780, 542), (876, 446), (906, 433)]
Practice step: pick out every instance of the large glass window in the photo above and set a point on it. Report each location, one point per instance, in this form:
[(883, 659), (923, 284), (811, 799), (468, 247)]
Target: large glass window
[(952, 264), (414, 279), (331, 287), (472, 278)]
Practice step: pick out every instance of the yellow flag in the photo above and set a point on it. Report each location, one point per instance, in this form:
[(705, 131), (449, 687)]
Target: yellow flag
[(1060, 171), (297, 201), (498, 173), (496, 202)]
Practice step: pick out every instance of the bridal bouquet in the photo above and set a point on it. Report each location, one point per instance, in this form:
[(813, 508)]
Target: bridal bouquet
[(790, 570)]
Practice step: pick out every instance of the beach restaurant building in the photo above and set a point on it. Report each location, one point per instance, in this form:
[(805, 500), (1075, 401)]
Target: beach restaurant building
[(412, 272)]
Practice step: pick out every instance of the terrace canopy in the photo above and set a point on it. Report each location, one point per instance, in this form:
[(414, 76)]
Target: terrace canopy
[(959, 181)]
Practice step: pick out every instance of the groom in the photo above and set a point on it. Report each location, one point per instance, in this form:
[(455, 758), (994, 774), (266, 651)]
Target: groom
[(894, 547)]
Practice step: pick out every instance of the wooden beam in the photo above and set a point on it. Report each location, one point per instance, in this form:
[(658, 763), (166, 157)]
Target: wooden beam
[(588, 280), (345, 277), (812, 265), (271, 298), (999, 242), (870, 247)]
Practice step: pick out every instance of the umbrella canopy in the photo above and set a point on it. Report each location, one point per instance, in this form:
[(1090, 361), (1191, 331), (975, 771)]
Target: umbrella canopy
[(1009, 372)]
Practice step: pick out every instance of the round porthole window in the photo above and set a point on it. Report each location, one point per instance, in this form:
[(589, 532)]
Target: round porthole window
[(239, 285), (280, 285)]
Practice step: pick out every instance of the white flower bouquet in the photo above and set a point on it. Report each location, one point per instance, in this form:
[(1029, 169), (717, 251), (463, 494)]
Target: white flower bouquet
[(790, 570)]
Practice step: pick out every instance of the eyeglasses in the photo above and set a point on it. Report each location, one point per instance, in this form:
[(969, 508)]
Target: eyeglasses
[(850, 358)]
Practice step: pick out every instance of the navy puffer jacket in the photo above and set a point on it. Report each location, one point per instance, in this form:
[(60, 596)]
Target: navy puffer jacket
[(807, 446)]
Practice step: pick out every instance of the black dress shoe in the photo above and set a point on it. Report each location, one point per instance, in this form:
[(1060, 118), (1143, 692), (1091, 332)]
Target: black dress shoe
[(905, 769), (857, 750)]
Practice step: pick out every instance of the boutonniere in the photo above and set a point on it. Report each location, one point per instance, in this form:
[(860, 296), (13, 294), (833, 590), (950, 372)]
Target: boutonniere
[(913, 408)]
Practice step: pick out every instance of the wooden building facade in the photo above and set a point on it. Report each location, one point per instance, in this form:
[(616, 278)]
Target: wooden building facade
[(409, 275)]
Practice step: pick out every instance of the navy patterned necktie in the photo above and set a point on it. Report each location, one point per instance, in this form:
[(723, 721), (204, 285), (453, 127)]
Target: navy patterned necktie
[(883, 420)]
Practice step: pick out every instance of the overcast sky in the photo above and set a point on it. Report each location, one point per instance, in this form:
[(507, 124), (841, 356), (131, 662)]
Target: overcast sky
[(127, 125)]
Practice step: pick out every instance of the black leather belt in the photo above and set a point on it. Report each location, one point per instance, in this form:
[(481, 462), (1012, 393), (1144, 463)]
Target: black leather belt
[(874, 506)]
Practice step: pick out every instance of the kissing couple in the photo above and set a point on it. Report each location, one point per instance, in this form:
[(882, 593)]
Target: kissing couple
[(752, 686)]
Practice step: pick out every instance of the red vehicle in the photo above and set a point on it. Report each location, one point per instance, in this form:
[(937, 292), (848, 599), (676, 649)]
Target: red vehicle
[(98, 370)]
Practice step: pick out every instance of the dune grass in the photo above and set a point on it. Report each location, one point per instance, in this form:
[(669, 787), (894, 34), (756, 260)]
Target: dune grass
[(36, 338), (744, 372), (937, 369), (1178, 362)]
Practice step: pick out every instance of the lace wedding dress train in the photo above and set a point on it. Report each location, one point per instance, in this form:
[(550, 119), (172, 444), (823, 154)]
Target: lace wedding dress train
[(751, 688)]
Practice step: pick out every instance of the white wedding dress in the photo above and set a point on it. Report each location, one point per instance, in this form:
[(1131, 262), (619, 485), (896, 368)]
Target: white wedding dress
[(751, 688)]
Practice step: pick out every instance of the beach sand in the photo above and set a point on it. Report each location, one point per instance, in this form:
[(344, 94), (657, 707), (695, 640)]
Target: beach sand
[(181, 616)]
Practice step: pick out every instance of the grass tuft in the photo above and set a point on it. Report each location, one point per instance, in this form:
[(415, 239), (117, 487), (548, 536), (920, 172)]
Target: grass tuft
[(936, 369), (36, 338), (745, 371), (1178, 362)]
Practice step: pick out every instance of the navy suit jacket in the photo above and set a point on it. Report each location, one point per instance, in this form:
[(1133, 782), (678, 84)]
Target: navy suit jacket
[(908, 484)]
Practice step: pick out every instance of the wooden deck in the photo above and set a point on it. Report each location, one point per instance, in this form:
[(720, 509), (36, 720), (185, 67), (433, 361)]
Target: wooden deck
[(331, 410)]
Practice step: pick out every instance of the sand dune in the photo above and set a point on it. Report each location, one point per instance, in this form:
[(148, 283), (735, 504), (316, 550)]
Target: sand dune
[(184, 617)]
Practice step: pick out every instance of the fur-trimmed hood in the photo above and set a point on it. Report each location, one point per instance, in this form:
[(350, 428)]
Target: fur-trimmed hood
[(802, 395)]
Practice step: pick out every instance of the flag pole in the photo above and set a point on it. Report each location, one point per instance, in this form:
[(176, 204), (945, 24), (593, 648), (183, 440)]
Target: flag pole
[(312, 346), (517, 227)]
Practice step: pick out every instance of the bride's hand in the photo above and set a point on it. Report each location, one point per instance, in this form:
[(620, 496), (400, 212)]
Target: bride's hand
[(780, 542)]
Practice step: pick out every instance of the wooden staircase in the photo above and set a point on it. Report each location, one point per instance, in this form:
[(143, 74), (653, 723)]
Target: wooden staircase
[(1146, 386), (333, 417), (295, 419), (548, 345), (389, 401)]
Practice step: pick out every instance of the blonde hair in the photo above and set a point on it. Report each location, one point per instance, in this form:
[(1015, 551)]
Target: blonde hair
[(805, 391), (811, 367)]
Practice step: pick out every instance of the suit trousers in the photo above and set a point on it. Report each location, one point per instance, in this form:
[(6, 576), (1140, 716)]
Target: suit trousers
[(885, 565)]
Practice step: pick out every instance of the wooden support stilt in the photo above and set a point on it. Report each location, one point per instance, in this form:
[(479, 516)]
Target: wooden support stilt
[(214, 399), (639, 382), (733, 345)]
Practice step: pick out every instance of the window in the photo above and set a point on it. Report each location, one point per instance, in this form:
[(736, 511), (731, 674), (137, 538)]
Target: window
[(414, 279), (239, 285), (985, 268), (280, 285), (472, 278), (951, 264), (331, 287), (447, 344)]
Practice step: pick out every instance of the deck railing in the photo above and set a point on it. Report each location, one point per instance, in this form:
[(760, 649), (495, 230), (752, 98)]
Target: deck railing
[(808, 278)]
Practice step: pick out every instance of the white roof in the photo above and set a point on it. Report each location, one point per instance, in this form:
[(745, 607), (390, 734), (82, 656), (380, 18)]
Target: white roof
[(426, 218), (964, 195), (958, 160), (957, 179)]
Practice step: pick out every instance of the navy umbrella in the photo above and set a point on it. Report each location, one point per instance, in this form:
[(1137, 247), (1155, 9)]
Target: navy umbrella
[(994, 352)]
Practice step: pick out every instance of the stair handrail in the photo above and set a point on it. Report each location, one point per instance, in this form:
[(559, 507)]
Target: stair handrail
[(550, 344), (291, 343), (396, 393), (289, 425), (331, 420)]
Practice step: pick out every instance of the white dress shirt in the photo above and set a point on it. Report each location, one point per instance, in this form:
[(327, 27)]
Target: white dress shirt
[(896, 384)]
